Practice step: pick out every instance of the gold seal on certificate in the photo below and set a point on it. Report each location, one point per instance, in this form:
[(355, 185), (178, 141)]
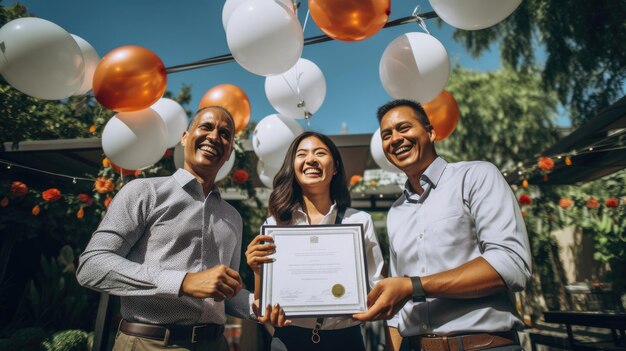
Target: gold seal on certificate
[(338, 290)]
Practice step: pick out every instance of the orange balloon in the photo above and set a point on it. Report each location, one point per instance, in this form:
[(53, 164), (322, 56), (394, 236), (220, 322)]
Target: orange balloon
[(350, 20), (129, 78), (233, 99), (443, 113), (122, 171)]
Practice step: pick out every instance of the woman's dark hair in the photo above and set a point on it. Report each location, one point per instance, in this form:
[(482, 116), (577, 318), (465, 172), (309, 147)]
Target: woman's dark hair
[(287, 194)]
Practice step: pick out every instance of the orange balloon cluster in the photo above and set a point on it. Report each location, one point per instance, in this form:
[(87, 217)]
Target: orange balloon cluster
[(350, 20), (443, 113), (233, 99), (129, 78)]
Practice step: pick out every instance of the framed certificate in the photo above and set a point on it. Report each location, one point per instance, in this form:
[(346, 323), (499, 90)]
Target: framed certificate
[(318, 270)]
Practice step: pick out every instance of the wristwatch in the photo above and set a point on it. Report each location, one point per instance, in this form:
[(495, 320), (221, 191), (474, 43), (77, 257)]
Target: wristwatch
[(418, 291)]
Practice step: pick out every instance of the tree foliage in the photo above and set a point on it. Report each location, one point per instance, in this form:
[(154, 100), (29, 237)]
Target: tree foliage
[(584, 46), (505, 118)]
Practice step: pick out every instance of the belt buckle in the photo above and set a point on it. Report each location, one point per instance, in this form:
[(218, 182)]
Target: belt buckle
[(193, 333)]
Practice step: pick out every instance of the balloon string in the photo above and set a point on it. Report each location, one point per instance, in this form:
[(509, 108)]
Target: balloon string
[(306, 20), (420, 20)]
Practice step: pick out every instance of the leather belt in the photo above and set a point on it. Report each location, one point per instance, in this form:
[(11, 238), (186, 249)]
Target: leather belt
[(466, 342), (168, 333)]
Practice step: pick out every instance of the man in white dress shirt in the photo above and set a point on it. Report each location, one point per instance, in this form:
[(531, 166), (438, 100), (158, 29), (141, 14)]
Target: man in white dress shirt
[(458, 246)]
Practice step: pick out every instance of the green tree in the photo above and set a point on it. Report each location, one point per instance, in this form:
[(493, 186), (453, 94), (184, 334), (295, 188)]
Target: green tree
[(583, 40), (505, 118)]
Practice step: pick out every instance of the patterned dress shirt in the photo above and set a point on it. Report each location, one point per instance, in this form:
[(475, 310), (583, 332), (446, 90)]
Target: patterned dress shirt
[(467, 210), (154, 232)]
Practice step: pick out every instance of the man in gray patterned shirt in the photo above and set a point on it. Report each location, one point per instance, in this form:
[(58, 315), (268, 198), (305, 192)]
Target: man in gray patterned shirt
[(170, 247)]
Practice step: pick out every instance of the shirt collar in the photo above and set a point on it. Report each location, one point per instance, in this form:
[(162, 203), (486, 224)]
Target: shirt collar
[(430, 177), (333, 209), (184, 177)]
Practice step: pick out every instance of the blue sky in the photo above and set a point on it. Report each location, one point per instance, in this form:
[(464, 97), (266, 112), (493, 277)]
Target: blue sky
[(184, 31)]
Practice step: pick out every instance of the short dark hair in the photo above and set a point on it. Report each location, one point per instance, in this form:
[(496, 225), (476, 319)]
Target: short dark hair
[(200, 110), (287, 194), (414, 105)]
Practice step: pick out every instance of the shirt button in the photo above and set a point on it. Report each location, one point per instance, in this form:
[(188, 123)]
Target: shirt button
[(424, 326), (421, 235), (423, 271)]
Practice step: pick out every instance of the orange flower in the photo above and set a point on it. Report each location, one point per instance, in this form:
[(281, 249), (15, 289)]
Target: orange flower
[(568, 161), (4, 202), (18, 189), (355, 179), (51, 195), (611, 202), (546, 164), (80, 214), (107, 201), (92, 129), (36, 210), (373, 183), (104, 185), (525, 199), (525, 184), (240, 176), (84, 198), (137, 173), (593, 203), (565, 203), (523, 213), (106, 162)]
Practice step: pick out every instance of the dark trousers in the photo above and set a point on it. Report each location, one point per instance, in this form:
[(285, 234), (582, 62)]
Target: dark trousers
[(299, 339)]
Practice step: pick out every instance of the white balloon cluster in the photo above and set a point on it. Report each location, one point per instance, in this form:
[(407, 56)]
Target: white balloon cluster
[(135, 140), (42, 60)]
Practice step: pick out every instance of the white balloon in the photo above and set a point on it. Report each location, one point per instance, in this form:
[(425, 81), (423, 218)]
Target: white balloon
[(135, 140), (266, 174), (304, 82), (376, 149), (264, 37), (179, 162), (272, 136), (414, 66), (231, 5), (40, 59), (174, 117), (91, 58), (474, 14)]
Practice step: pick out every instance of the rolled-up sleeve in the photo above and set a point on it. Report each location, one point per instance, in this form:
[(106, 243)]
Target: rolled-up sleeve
[(499, 224), (103, 265)]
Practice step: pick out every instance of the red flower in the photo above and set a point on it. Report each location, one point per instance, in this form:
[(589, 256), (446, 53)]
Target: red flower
[(137, 173), (611, 202), (107, 201), (168, 153), (565, 203), (546, 164), (84, 198), (18, 189), (51, 195), (240, 176), (525, 199), (523, 213), (593, 203)]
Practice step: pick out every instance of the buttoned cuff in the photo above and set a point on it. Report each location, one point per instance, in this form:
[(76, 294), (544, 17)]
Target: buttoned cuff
[(170, 282)]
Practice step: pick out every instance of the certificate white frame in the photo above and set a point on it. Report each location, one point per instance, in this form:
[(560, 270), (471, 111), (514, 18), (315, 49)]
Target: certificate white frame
[(356, 251)]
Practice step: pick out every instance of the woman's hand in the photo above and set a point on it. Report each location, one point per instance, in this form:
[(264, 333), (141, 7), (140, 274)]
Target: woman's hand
[(273, 315), (257, 253)]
